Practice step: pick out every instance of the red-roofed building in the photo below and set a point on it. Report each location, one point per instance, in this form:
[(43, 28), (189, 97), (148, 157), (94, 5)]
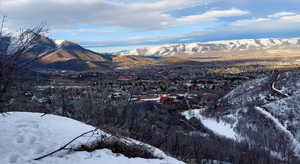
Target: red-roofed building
[(126, 77)]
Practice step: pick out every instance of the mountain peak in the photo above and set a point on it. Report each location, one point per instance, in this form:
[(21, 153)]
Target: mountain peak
[(59, 42), (68, 44)]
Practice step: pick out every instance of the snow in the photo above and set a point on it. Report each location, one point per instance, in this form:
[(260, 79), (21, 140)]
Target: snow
[(203, 47), (59, 42), (192, 113), (25, 136), (277, 123), (277, 90), (152, 99), (218, 127)]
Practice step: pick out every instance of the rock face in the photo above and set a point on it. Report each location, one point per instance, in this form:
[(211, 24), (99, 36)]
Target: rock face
[(265, 112), (217, 46)]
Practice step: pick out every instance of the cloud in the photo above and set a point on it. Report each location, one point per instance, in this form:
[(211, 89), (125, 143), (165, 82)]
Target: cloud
[(136, 15), (62, 14), (282, 24), (279, 22), (260, 27), (168, 5), (281, 14), (209, 16), (95, 31)]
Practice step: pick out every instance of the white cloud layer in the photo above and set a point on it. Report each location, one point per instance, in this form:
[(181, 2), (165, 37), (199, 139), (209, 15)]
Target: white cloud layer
[(283, 13), (137, 15), (279, 22)]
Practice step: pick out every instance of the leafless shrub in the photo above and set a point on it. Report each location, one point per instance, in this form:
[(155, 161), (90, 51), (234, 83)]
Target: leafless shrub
[(12, 49)]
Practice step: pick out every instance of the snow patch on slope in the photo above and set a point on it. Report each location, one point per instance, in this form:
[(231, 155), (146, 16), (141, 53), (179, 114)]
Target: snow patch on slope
[(219, 127), (59, 42)]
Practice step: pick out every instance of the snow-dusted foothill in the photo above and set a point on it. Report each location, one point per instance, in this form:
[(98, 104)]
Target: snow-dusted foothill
[(25, 136)]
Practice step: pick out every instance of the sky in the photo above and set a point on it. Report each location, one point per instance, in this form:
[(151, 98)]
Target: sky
[(117, 25)]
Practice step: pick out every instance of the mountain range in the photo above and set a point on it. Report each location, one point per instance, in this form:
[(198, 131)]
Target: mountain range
[(52, 54), (213, 47)]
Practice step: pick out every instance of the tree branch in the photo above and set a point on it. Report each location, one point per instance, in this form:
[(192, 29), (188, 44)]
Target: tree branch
[(64, 147)]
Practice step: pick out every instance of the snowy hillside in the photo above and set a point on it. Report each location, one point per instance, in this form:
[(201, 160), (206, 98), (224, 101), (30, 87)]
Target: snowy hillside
[(217, 46), (26, 136), (265, 112)]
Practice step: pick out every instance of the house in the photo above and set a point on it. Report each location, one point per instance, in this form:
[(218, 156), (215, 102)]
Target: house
[(127, 77), (166, 99)]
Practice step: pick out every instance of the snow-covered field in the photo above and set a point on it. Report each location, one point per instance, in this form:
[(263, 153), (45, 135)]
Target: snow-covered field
[(25, 136)]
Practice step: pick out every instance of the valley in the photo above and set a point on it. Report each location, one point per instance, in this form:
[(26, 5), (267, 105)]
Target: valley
[(149, 82), (212, 99)]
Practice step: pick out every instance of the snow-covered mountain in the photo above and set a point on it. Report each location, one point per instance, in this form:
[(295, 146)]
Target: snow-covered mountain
[(216, 46), (27, 136)]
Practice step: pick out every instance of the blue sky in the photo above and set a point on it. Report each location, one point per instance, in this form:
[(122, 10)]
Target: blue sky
[(115, 25)]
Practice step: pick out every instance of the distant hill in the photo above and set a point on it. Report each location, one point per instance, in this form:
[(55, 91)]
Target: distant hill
[(211, 47), (134, 61), (70, 55), (64, 55), (142, 61)]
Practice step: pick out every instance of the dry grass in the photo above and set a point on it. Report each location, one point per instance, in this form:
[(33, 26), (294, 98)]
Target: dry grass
[(62, 55), (134, 61), (233, 62)]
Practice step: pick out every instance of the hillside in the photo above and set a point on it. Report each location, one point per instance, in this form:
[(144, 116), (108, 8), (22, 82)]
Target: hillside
[(264, 112), (28, 136), (65, 55), (71, 56), (216, 46), (134, 61)]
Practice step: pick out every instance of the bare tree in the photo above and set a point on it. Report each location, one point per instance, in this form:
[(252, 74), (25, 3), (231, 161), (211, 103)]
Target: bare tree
[(12, 49)]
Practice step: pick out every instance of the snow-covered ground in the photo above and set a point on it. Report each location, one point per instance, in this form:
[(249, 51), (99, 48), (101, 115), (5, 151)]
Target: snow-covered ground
[(25, 136), (295, 143), (218, 127)]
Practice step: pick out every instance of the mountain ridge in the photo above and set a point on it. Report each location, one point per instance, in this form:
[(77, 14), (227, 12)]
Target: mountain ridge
[(64, 55), (214, 46)]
